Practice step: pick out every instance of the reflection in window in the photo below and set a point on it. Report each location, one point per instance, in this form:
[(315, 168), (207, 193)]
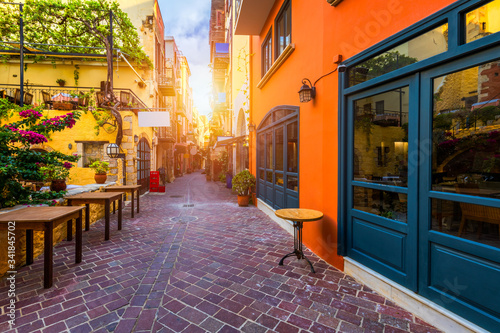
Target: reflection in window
[(262, 174), (419, 48), (261, 151), (292, 147), (279, 179), (267, 48), (279, 148), (381, 138), (474, 222), (466, 131), (382, 203), (482, 21), (293, 183), (283, 28), (269, 176), (269, 150)]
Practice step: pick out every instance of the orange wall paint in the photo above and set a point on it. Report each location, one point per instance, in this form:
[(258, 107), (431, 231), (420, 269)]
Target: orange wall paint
[(319, 32)]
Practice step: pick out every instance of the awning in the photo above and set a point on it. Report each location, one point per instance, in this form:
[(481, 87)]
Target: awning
[(180, 148), (227, 142)]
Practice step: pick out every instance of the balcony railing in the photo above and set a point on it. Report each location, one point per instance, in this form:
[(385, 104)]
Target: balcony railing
[(166, 84), (69, 97)]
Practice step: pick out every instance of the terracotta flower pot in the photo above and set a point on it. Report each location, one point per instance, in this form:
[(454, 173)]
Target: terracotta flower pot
[(58, 185), (100, 178), (243, 200)]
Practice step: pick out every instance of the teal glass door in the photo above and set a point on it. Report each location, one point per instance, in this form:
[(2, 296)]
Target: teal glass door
[(459, 245), (383, 136)]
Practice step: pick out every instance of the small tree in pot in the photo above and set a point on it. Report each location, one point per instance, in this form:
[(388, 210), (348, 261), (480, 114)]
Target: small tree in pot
[(242, 183), (100, 168)]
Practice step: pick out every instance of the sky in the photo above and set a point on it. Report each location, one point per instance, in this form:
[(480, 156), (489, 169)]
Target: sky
[(188, 22)]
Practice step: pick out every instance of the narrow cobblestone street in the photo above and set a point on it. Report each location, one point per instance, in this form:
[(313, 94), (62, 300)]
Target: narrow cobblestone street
[(193, 261)]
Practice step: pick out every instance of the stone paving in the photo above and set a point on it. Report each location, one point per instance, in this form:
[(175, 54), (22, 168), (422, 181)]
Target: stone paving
[(193, 261)]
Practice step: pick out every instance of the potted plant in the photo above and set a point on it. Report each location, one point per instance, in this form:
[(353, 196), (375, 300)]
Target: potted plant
[(242, 183), (100, 168), (57, 175), (61, 82)]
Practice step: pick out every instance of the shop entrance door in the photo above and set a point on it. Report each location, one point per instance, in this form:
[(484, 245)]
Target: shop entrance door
[(383, 141)]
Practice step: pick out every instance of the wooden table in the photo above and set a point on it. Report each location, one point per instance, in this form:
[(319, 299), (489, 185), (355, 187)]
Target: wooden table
[(298, 216), (100, 198), (126, 188), (45, 219)]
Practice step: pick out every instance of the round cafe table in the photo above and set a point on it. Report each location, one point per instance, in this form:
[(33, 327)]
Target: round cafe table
[(298, 216)]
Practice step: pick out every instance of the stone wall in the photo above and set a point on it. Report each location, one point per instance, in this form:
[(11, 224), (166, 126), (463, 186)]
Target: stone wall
[(96, 213)]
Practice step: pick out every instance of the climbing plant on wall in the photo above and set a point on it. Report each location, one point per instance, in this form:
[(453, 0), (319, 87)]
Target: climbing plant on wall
[(74, 27)]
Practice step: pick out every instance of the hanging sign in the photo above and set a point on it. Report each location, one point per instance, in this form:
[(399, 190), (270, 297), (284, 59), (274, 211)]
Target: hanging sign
[(193, 151), (154, 119)]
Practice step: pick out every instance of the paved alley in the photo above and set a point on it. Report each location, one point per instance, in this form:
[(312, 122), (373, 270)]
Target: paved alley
[(193, 261)]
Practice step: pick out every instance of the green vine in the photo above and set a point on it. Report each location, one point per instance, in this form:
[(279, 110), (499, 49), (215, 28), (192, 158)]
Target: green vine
[(76, 74), (67, 26)]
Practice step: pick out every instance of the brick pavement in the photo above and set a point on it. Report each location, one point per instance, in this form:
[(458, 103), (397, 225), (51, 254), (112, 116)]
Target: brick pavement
[(193, 261)]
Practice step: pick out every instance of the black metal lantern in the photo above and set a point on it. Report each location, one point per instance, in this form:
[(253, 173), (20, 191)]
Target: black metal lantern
[(113, 150), (307, 92)]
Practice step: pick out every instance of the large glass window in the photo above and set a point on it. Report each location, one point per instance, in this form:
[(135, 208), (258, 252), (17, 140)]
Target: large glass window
[(292, 147), (419, 48), (466, 132), (390, 205), (279, 148), (381, 138), (283, 28), (267, 49), (482, 21), (474, 222)]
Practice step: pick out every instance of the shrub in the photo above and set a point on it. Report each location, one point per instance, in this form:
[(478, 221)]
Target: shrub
[(243, 181)]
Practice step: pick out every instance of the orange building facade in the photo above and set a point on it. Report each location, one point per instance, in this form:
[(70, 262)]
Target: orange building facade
[(307, 154)]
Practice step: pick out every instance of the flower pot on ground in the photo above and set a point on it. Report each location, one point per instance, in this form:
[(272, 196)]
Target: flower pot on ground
[(243, 200), (100, 168), (242, 183)]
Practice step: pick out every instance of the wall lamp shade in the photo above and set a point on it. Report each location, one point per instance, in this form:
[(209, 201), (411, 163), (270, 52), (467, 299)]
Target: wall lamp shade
[(113, 150), (307, 92)]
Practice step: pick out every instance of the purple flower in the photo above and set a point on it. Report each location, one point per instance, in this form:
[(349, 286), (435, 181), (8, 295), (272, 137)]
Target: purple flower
[(30, 113), (67, 165)]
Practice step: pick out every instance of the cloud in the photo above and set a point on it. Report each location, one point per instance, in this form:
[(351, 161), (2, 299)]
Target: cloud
[(188, 22)]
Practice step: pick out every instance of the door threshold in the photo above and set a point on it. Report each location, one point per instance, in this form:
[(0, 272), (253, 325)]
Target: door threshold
[(430, 312)]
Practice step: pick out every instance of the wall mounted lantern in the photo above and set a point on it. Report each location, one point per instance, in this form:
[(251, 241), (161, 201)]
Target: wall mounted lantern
[(113, 151), (308, 91), (251, 127), (136, 138), (70, 146)]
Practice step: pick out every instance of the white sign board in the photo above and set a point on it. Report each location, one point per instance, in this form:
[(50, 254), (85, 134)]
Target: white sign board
[(154, 119)]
